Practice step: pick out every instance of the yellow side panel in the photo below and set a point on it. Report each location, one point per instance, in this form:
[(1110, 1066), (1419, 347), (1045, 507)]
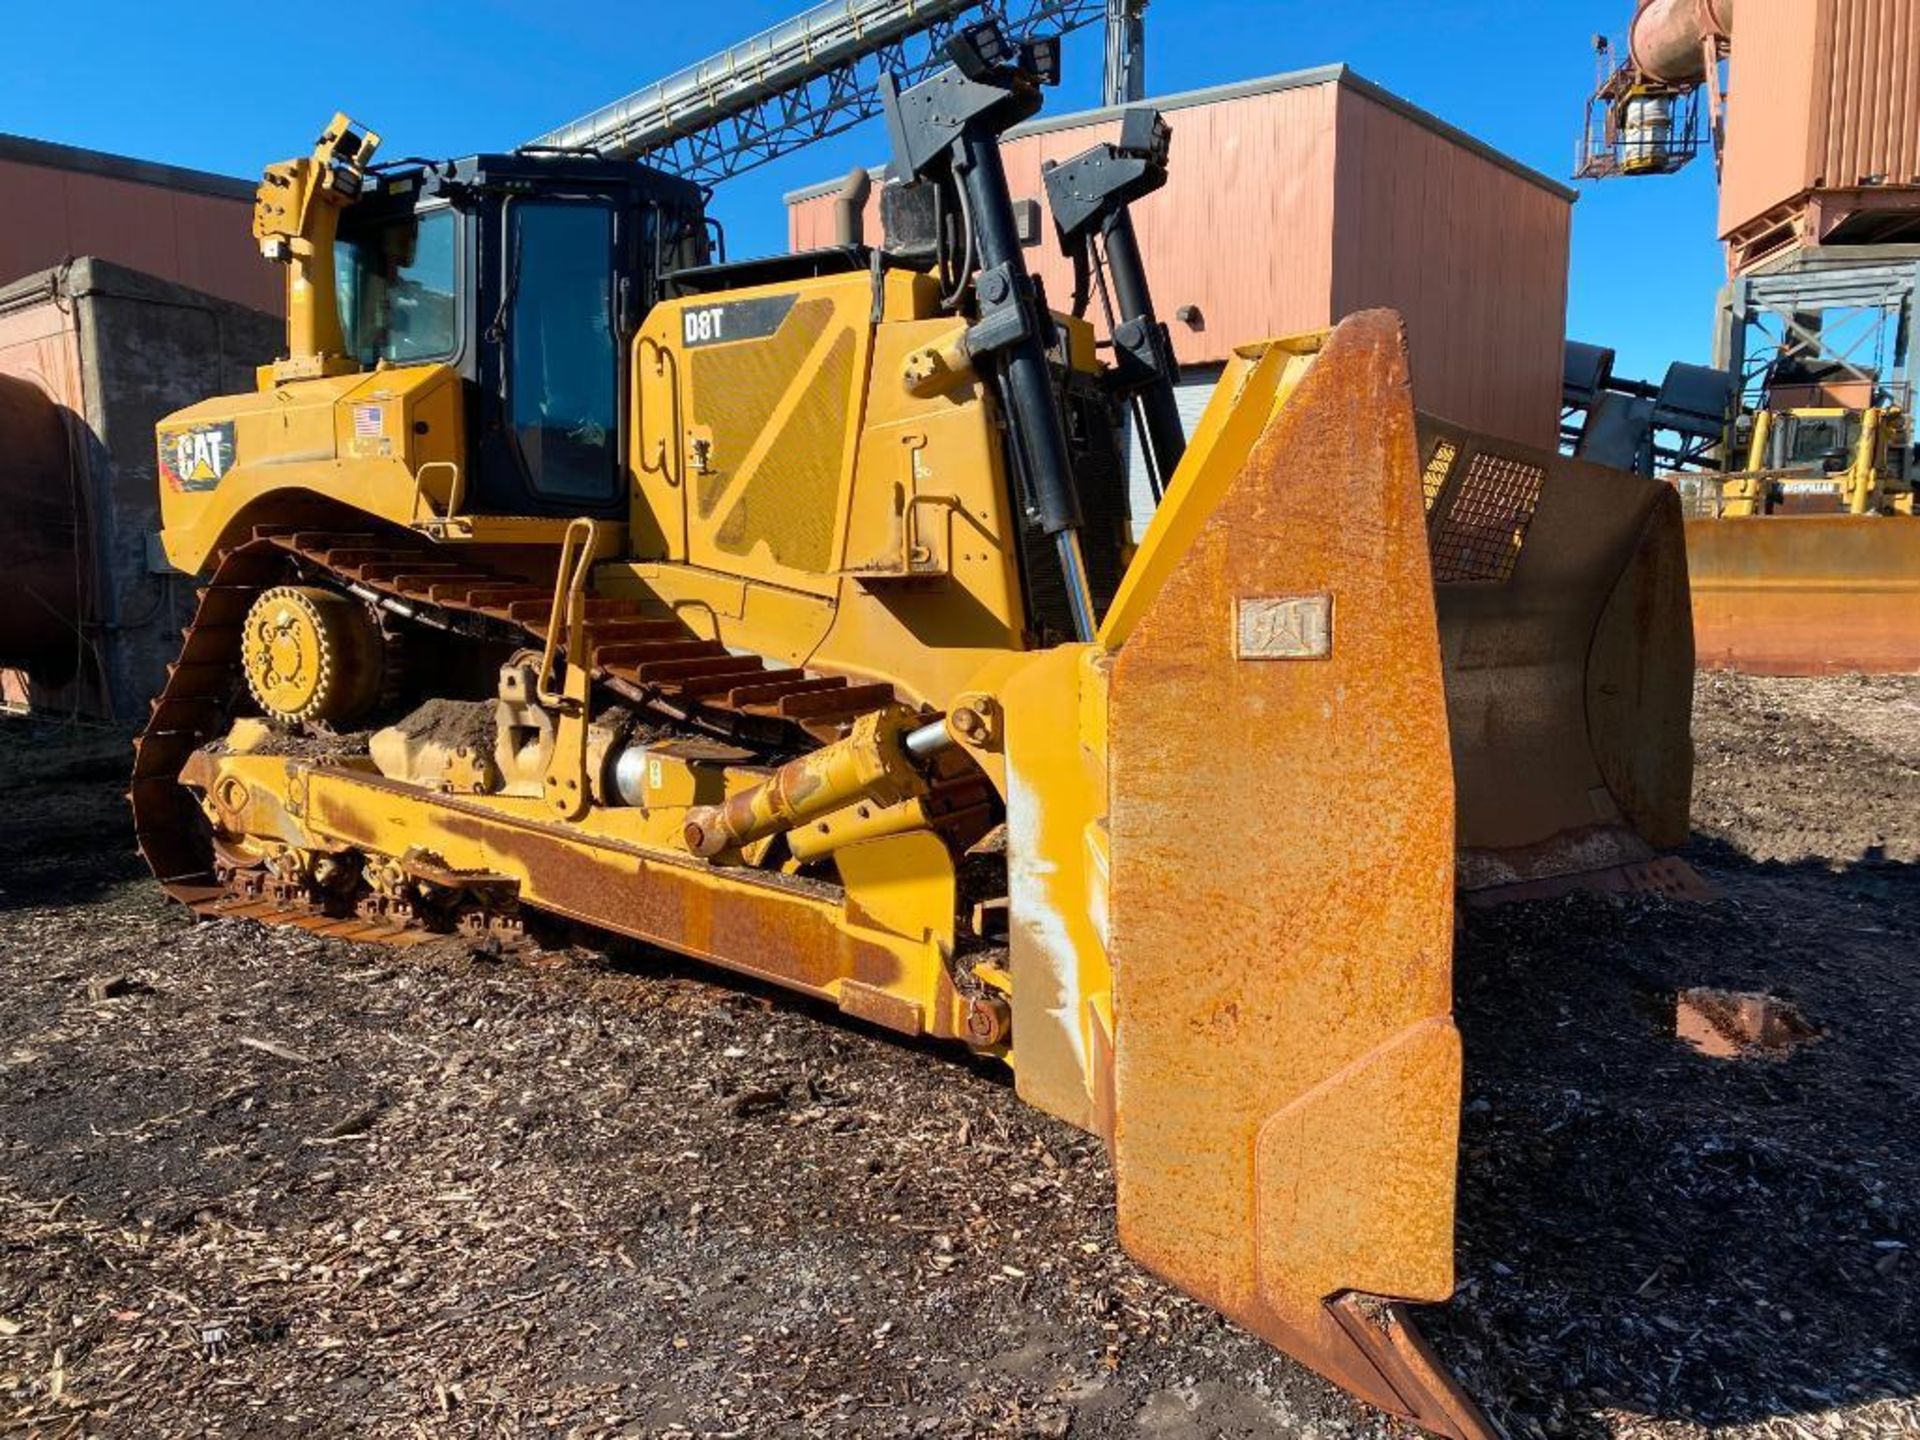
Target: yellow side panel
[(357, 439), (793, 500), (749, 415), (932, 589), (1056, 793)]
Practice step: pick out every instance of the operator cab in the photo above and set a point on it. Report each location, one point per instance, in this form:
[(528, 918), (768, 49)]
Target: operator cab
[(529, 274)]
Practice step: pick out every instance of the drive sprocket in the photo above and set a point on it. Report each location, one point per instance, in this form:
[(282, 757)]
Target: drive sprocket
[(311, 654)]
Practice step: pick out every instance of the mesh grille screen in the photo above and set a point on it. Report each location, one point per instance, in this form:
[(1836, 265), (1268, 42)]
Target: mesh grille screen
[(1485, 524), (1439, 467), (734, 389), (791, 501)]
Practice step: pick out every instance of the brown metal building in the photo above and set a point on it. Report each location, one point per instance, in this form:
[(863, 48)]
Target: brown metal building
[(1301, 198), (1823, 126), (187, 226), (127, 289)]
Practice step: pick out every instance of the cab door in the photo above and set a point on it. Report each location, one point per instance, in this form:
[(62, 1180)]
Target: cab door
[(555, 363)]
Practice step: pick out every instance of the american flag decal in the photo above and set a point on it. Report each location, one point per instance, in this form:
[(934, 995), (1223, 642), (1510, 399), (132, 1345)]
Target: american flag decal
[(368, 422)]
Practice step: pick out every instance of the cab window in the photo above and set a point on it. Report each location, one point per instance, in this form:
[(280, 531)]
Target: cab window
[(396, 285), (563, 351)]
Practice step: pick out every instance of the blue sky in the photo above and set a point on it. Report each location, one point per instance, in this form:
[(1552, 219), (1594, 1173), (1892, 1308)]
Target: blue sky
[(229, 86)]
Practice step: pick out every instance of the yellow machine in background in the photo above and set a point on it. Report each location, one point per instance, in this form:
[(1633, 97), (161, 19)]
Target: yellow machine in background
[(1824, 458), (1803, 557), (785, 614), (1807, 561)]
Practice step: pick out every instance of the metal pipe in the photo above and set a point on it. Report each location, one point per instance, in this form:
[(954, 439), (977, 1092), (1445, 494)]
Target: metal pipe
[(1073, 573), (850, 207), (1668, 38), (314, 329), (929, 740)]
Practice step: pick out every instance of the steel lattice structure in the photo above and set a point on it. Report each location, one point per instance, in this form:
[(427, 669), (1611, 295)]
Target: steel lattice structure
[(800, 82)]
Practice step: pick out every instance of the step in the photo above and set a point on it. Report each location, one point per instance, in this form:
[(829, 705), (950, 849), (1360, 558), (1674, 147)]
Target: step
[(835, 704), (606, 657), (771, 691)]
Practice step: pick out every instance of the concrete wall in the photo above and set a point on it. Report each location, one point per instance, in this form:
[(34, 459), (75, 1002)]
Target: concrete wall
[(119, 350)]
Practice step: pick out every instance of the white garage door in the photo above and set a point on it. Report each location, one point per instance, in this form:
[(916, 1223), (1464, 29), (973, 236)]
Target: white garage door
[(1192, 396)]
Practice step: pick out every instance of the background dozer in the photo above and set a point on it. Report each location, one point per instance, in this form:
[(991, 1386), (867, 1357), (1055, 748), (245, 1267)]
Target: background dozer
[(1799, 473), (784, 613)]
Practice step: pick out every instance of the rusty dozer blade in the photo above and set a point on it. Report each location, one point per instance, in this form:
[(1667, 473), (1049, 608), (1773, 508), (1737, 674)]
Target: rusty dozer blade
[(1286, 1072), (1807, 594), (1568, 650)]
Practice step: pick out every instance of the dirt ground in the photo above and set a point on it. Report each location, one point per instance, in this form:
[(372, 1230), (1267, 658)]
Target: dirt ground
[(258, 1184)]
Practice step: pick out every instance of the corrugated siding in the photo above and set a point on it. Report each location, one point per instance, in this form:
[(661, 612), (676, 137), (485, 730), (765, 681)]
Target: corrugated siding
[(1824, 94), (1769, 108), (1871, 94), (202, 241), (1288, 209), (1243, 229), (1472, 256)]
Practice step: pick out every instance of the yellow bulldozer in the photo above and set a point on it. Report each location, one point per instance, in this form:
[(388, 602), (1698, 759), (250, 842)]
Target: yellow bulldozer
[(1806, 561), (786, 613)]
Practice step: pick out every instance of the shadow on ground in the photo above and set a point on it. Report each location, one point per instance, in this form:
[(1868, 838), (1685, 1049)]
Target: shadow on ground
[(1648, 1232), (70, 835)]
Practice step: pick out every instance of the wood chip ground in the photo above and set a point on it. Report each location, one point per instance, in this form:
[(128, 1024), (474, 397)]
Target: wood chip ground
[(253, 1183)]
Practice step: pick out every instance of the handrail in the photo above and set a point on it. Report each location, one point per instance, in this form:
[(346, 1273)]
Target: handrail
[(456, 491), (666, 366), (578, 551)]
